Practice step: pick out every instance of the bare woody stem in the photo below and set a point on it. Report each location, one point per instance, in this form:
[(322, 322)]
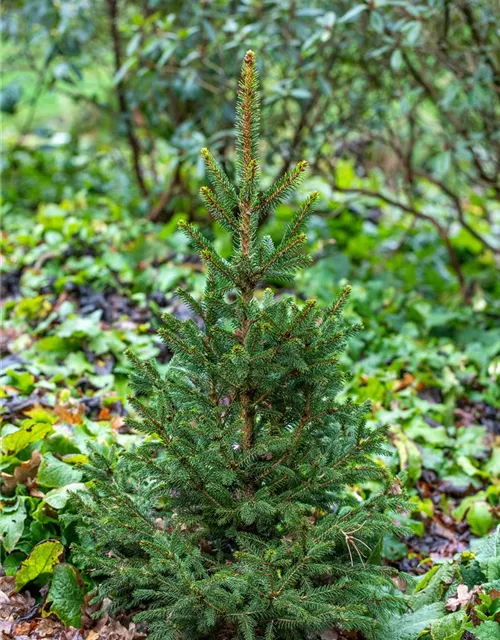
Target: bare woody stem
[(133, 141)]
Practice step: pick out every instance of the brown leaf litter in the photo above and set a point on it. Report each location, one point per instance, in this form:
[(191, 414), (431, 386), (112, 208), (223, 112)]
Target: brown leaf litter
[(21, 618)]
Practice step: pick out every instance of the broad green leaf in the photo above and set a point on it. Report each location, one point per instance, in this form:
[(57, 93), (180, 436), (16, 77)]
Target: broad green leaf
[(493, 569), (23, 380), (396, 59), (51, 216), (487, 548), (493, 465), (377, 21), (122, 71), (57, 498), (410, 626), (344, 173), (11, 562), (41, 560), (442, 163), (353, 13), (426, 578), (412, 32), (75, 458), (450, 627), (39, 414), (12, 525), (436, 586), (133, 43), (464, 506), (467, 466), (300, 93), (486, 631), (78, 327), (66, 595), (480, 518), (54, 473), (28, 433)]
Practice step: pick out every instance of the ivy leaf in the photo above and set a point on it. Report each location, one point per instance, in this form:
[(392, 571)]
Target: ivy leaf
[(12, 525), (28, 433), (41, 560), (67, 595)]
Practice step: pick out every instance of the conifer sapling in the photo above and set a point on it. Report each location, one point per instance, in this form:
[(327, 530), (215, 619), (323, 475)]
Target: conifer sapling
[(236, 517)]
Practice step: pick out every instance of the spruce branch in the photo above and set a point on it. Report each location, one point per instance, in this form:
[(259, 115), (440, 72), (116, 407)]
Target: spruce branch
[(309, 306), (217, 210), (298, 222), (338, 305), (208, 252), (281, 190), (283, 252), (193, 304), (219, 180), (248, 117)]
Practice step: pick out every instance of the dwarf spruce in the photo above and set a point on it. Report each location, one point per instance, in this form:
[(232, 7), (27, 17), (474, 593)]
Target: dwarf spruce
[(237, 516)]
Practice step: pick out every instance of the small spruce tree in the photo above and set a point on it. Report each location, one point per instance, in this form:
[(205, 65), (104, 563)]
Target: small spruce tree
[(236, 517)]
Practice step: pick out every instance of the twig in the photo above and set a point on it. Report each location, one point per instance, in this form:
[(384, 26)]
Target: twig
[(122, 98), (155, 212), (454, 261)]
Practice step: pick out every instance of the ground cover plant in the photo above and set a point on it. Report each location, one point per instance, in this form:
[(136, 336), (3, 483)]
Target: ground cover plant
[(455, 600), (428, 363)]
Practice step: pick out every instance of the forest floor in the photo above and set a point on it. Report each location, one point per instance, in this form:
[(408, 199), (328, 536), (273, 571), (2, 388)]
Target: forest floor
[(83, 284)]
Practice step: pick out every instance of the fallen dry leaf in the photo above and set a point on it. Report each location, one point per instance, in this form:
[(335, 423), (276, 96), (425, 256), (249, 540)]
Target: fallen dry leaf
[(25, 473), (405, 382), (104, 414), (463, 597), (71, 413), (117, 422), (21, 619)]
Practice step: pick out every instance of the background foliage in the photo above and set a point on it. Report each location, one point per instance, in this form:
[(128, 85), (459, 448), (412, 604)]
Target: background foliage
[(395, 104)]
